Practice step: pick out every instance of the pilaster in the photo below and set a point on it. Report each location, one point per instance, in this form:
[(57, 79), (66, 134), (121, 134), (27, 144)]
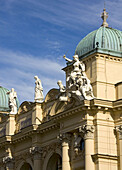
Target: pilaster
[(37, 157), (88, 133), (119, 131)]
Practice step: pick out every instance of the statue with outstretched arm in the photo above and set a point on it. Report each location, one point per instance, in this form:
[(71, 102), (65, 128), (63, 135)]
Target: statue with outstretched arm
[(67, 59)]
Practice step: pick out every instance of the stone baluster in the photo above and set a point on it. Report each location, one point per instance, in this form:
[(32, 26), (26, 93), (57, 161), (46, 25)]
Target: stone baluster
[(88, 130), (37, 156), (119, 130), (65, 138), (9, 162)]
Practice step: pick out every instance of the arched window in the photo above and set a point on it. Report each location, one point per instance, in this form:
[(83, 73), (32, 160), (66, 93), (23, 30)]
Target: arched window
[(26, 166), (55, 162)]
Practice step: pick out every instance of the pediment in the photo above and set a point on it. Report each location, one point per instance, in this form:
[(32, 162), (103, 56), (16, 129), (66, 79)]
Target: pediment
[(61, 106), (25, 107), (52, 95)]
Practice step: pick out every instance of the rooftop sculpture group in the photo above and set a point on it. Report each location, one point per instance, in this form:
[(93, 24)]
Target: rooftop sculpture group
[(77, 82), (78, 85)]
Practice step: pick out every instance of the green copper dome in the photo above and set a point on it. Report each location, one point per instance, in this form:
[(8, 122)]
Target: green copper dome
[(104, 40), (4, 100)]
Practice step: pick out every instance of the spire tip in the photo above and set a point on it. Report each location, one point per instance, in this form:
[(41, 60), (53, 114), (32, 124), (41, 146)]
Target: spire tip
[(104, 16)]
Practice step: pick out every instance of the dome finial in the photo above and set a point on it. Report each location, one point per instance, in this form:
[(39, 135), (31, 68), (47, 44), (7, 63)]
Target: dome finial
[(104, 16)]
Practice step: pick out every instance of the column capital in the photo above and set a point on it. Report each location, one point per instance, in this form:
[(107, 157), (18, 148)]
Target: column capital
[(64, 136), (36, 152), (9, 162), (87, 130), (8, 159), (119, 130)]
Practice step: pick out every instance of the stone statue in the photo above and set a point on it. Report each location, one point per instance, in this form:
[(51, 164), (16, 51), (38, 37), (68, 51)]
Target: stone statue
[(62, 91), (85, 88), (77, 82), (61, 87), (78, 66), (77, 140), (12, 101), (38, 90), (78, 70)]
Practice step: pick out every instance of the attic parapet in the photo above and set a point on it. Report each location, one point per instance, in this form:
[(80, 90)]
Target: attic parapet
[(37, 114), (10, 125)]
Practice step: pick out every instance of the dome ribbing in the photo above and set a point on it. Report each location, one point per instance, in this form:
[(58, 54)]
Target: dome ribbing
[(4, 100), (105, 40)]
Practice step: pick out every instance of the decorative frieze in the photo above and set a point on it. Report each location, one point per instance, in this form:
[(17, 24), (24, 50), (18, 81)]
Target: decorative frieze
[(87, 130)]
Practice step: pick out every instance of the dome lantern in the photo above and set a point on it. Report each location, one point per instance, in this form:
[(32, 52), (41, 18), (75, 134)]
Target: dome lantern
[(104, 16), (104, 40)]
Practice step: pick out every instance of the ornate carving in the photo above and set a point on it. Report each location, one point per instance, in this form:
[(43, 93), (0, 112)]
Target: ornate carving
[(8, 159), (52, 147), (119, 130), (62, 89), (87, 130), (64, 136), (22, 156), (9, 162), (25, 107), (36, 152), (78, 85), (78, 143)]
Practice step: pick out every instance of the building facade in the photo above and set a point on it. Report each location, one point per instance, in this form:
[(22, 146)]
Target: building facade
[(77, 127)]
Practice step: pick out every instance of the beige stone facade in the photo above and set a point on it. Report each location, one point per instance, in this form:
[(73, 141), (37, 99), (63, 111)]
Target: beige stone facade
[(77, 135), (66, 131)]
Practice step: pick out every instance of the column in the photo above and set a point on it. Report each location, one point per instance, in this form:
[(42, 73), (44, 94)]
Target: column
[(65, 138), (9, 162), (119, 130), (88, 130), (37, 157)]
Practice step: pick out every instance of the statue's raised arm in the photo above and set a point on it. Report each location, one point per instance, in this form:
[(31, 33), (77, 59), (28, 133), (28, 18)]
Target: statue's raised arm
[(67, 59)]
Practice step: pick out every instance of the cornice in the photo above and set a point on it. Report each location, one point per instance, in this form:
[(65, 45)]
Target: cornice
[(47, 127), (84, 106), (96, 55), (96, 156), (5, 140)]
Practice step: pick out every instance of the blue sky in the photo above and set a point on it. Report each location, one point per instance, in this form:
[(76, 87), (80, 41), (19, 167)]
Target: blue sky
[(35, 34)]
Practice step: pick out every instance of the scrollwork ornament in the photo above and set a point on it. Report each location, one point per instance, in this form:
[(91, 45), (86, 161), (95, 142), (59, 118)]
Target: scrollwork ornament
[(87, 130), (64, 136), (36, 152), (8, 159), (9, 162)]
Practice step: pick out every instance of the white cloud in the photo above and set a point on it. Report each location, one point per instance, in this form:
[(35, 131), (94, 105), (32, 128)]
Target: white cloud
[(19, 69), (72, 13)]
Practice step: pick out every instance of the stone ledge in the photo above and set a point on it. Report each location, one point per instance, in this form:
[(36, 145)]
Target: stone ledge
[(96, 156)]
